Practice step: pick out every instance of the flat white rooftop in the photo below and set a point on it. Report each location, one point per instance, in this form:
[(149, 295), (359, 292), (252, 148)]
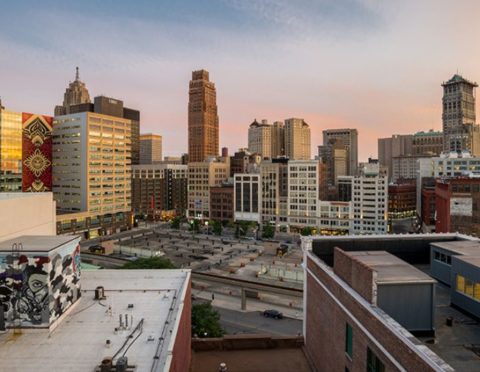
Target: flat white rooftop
[(36, 243), (79, 343)]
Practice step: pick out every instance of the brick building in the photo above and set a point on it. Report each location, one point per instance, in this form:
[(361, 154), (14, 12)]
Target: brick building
[(401, 200), (454, 204), (221, 203)]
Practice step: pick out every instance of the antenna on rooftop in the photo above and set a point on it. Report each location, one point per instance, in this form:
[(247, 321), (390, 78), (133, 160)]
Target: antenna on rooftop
[(77, 74)]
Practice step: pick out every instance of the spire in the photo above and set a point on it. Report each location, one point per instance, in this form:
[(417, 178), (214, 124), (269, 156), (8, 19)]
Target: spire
[(77, 75)]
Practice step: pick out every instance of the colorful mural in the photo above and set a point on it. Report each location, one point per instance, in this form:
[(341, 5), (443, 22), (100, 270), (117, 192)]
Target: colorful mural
[(36, 153), (36, 290)]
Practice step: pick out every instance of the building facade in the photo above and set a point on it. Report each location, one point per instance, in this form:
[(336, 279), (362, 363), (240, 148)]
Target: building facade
[(92, 169), (349, 137), (203, 129), (460, 131), (159, 190), (427, 143), (221, 203), (260, 138), (303, 181), (297, 139), (401, 201), (274, 187), (202, 176), (393, 147), (369, 196), (75, 94), (151, 149), (10, 150), (248, 197)]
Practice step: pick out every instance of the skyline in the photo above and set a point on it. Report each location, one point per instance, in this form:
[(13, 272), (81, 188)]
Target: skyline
[(297, 62)]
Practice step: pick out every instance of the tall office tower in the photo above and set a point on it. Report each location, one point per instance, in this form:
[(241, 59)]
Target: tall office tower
[(278, 139), (10, 150), (92, 170), (203, 132), (150, 148), (134, 117), (395, 146), (335, 157), (350, 140), (459, 128), (297, 139), (260, 138), (75, 94), (427, 143)]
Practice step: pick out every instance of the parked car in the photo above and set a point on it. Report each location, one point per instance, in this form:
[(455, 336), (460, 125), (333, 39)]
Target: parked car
[(273, 314)]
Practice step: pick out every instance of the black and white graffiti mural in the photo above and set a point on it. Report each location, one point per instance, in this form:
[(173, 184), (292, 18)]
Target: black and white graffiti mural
[(36, 289)]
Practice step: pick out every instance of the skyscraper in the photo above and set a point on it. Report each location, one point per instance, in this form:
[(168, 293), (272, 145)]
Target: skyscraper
[(10, 150), (75, 94), (265, 139), (203, 132), (350, 140), (459, 128), (297, 139), (150, 148)]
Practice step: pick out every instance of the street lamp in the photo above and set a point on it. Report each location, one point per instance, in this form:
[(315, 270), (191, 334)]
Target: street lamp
[(206, 224)]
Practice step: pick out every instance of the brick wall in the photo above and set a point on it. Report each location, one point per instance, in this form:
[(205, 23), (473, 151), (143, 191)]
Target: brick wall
[(326, 322), (182, 352), (358, 275)]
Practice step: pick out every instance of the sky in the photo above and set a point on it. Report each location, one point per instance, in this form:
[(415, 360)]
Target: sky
[(372, 65)]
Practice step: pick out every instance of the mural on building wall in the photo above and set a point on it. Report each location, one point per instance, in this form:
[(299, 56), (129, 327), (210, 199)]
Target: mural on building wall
[(36, 153), (36, 290)]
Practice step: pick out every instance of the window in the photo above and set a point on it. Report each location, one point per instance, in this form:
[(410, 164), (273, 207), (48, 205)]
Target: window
[(349, 340), (373, 363), (460, 284)]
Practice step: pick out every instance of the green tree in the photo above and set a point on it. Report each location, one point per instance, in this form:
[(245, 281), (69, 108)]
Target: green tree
[(175, 223), (268, 232), (306, 231), (217, 227), (194, 225), (150, 263), (206, 321)]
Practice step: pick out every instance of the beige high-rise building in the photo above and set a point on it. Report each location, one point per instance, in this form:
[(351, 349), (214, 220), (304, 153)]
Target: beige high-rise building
[(91, 164), (260, 138), (278, 139), (203, 131), (460, 131), (202, 176), (297, 139), (267, 140), (75, 94), (150, 148)]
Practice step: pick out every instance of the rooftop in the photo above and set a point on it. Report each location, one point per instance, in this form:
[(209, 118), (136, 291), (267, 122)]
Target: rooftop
[(148, 300), (36, 243), (389, 268), (471, 260), (459, 247), (459, 79)]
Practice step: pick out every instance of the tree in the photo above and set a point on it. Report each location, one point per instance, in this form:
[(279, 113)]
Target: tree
[(195, 226), (268, 232), (216, 227), (175, 223), (206, 321), (150, 263), (306, 231)]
